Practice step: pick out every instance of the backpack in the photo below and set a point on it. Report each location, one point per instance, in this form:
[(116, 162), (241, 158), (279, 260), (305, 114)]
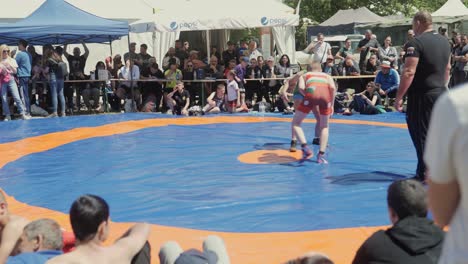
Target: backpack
[(62, 70)]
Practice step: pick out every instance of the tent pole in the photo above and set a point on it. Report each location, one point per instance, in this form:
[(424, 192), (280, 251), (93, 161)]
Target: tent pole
[(131, 72), (208, 40), (110, 46)]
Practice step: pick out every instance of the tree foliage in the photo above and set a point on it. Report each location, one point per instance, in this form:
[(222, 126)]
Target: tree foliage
[(321, 10)]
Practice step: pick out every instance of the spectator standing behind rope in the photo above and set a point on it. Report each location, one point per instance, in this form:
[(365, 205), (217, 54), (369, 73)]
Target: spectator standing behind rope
[(77, 63), (56, 79), (24, 61), (8, 84), (427, 69)]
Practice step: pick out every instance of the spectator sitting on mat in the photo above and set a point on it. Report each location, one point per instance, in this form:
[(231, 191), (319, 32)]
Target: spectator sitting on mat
[(388, 79), (89, 217), (41, 240), (413, 238), (178, 100), (367, 102), (215, 102), (311, 258), (11, 229), (214, 251)]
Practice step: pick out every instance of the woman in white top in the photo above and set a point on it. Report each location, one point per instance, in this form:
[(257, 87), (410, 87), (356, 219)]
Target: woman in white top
[(9, 67)]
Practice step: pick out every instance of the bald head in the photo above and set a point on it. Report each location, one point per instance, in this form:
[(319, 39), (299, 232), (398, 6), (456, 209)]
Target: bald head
[(316, 66)]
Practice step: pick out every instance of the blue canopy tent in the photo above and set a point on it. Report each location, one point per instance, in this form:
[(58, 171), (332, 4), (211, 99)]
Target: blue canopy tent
[(58, 22)]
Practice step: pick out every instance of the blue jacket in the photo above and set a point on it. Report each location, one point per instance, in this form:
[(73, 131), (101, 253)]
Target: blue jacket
[(389, 81), (39, 257)]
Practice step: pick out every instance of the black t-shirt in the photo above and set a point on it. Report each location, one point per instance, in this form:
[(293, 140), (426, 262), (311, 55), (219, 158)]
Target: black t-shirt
[(149, 86), (145, 60), (370, 96), (368, 43), (76, 65), (433, 51), (181, 99), (228, 56)]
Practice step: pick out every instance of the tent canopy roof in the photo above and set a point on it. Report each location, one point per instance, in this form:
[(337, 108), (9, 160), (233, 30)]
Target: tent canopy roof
[(451, 8), (57, 21), (210, 14), (350, 16)]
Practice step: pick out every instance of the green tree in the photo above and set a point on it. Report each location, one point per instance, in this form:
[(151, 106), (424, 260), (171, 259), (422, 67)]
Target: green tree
[(321, 10)]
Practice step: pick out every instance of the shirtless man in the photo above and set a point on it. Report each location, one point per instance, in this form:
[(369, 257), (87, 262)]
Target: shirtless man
[(11, 229), (319, 90), (89, 217)]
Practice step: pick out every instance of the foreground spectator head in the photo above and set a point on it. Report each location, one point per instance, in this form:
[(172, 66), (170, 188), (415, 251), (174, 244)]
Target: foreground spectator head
[(320, 37), (180, 86), (284, 61), (410, 34), (89, 217), (311, 258), (406, 198), (186, 45), (42, 234), (31, 49)]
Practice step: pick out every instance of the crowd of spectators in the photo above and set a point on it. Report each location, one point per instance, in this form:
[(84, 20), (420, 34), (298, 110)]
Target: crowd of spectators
[(36, 83)]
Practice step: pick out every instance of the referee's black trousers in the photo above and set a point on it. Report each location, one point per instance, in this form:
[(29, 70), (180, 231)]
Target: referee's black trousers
[(418, 115)]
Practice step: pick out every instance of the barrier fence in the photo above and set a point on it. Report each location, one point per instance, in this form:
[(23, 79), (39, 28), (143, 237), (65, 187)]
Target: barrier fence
[(202, 82)]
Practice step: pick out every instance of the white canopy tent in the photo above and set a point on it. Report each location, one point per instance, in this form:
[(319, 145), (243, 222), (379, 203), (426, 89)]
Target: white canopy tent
[(451, 8), (203, 15)]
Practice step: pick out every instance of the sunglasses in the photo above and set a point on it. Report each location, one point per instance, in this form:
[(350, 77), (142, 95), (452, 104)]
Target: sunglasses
[(6, 51), (189, 65)]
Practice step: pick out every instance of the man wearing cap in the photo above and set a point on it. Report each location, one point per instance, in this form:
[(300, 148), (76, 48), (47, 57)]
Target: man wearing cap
[(389, 80), (425, 78)]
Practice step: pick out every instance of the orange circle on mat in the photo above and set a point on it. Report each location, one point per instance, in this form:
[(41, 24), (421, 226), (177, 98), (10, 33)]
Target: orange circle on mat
[(277, 156)]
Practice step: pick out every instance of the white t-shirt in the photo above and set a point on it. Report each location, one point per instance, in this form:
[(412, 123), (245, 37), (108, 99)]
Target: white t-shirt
[(321, 52), (446, 156), (232, 88)]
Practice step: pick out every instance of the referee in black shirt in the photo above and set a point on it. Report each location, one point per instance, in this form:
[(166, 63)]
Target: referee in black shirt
[(425, 78)]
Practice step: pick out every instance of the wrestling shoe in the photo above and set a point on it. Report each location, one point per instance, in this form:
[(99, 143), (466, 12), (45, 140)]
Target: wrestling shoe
[(316, 141), (306, 153), (292, 148), (321, 158)]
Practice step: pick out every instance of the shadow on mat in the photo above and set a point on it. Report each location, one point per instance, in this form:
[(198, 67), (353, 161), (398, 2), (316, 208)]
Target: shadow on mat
[(366, 177), (271, 146)]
